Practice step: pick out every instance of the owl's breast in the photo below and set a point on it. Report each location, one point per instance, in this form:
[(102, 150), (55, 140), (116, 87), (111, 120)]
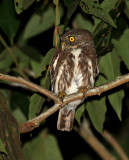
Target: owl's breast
[(76, 79), (71, 72)]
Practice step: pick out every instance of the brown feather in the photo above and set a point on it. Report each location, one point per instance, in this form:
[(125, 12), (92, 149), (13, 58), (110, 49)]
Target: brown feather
[(65, 120)]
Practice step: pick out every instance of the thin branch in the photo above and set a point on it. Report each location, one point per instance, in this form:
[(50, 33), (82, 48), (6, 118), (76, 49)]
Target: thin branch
[(31, 124), (85, 132), (115, 144), (30, 85)]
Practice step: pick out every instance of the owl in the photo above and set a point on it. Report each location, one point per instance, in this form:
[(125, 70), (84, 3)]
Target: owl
[(74, 65)]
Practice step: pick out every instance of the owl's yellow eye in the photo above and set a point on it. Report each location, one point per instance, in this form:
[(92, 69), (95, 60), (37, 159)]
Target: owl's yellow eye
[(71, 39)]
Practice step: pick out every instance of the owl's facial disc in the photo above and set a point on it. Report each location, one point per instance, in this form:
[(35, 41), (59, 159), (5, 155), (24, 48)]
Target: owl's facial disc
[(68, 43)]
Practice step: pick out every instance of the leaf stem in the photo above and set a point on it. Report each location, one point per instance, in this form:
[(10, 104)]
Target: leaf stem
[(10, 51)]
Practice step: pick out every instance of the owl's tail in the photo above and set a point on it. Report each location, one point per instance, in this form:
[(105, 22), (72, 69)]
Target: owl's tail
[(65, 120)]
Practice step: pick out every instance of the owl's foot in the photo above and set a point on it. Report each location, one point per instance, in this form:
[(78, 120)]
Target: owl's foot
[(83, 89), (62, 94)]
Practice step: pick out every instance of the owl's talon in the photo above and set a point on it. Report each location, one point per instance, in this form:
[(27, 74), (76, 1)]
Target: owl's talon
[(58, 101), (84, 90), (62, 94)]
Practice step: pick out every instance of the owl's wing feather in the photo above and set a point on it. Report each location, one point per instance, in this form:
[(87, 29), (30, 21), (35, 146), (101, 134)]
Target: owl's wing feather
[(53, 68), (61, 71)]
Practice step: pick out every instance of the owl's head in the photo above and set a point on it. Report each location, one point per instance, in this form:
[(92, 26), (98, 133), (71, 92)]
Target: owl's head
[(76, 38)]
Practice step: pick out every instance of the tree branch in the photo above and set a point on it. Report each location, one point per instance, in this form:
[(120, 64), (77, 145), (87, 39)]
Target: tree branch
[(115, 144), (85, 132), (31, 124), (30, 85)]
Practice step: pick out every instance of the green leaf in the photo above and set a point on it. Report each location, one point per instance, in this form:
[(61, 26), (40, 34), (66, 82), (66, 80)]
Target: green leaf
[(109, 5), (79, 112), (32, 53), (19, 105), (9, 22), (127, 9), (71, 8), (36, 102), (19, 115), (5, 61), (122, 47), (45, 81), (97, 110), (55, 2), (21, 5), (39, 23), (100, 80), (39, 68), (2, 148), (7, 94), (116, 101), (19, 100), (110, 65), (67, 3), (45, 145), (94, 8), (83, 22), (22, 58)]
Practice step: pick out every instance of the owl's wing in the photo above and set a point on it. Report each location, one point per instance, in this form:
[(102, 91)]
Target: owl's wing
[(53, 67)]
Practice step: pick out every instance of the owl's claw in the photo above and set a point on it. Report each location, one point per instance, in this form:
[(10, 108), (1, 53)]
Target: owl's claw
[(83, 89), (62, 94)]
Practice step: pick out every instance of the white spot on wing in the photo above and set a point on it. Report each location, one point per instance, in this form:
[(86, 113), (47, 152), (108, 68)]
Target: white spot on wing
[(55, 63), (90, 69)]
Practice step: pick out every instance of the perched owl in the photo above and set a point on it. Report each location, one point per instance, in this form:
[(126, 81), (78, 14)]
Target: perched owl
[(74, 65)]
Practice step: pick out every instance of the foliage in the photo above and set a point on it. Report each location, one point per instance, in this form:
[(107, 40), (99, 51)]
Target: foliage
[(27, 41)]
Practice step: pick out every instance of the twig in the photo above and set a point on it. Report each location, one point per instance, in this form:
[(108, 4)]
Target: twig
[(30, 85), (34, 123), (115, 144), (31, 124), (85, 132), (13, 57)]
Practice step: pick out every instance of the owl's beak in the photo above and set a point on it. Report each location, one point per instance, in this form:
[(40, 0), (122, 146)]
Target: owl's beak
[(63, 45)]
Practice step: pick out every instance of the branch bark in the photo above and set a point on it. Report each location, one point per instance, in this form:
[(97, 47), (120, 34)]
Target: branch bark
[(31, 124), (30, 85)]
